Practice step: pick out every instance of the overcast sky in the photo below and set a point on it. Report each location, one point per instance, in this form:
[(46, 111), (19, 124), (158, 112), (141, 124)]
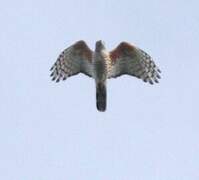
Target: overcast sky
[(52, 131)]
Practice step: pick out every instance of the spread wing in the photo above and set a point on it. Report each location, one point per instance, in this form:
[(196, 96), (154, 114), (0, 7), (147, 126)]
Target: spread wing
[(128, 59), (73, 60)]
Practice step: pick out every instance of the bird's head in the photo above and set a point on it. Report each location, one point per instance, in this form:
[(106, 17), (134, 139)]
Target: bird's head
[(99, 46)]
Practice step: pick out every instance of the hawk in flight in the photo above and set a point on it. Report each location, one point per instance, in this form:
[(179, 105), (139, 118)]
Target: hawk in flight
[(102, 65)]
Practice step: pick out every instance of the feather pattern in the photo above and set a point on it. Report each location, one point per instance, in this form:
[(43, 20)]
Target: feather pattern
[(73, 60), (128, 59)]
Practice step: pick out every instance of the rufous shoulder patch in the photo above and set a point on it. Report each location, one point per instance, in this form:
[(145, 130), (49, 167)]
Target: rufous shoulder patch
[(82, 48), (122, 49)]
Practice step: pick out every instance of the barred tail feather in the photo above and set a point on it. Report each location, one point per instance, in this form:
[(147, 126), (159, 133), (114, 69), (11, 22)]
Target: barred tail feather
[(101, 96)]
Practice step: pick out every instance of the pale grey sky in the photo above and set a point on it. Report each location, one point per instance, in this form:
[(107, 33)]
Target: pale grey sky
[(53, 131)]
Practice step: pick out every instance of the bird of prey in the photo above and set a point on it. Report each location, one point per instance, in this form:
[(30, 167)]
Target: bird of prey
[(102, 65)]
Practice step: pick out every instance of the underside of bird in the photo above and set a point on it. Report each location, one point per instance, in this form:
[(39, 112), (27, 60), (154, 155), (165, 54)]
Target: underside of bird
[(102, 65)]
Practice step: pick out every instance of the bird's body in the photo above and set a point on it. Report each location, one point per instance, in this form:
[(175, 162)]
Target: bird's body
[(102, 65)]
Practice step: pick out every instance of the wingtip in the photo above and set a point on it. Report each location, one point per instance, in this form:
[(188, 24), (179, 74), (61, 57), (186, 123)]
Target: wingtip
[(53, 78), (156, 81), (158, 76), (51, 74), (151, 82), (58, 79)]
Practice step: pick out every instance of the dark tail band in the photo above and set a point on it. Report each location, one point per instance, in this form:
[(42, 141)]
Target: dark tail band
[(101, 97)]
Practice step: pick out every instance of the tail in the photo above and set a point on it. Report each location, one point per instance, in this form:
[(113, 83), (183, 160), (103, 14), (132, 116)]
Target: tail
[(101, 96)]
